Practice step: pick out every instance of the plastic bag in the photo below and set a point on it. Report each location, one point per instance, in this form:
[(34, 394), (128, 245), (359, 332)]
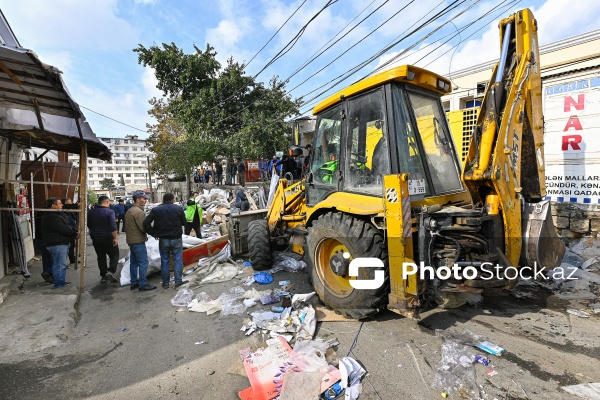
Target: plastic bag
[(232, 302), (455, 374), (286, 263), (182, 298), (309, 356), (263, 278)]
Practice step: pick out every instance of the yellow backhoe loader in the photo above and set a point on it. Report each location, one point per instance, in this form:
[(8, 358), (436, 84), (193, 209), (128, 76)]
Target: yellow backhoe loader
[(386, 197)]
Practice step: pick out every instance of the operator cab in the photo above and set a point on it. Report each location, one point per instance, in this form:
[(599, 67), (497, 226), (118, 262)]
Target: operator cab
[(390, 123)]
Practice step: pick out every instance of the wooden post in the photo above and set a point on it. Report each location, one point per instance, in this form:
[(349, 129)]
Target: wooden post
[(82, 215)]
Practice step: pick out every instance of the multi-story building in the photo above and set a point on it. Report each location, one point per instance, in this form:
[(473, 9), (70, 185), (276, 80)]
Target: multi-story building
[(128, 168)]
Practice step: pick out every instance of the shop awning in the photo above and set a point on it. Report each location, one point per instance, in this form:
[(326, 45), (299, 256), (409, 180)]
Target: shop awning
[(36, 109)]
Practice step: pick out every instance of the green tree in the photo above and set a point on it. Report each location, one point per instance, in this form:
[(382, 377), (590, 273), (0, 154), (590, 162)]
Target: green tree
[(212, 111), (122, 180), (92, 197), (108, 183)]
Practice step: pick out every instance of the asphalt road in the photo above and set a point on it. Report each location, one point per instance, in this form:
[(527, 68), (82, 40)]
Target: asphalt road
[(135, 345)]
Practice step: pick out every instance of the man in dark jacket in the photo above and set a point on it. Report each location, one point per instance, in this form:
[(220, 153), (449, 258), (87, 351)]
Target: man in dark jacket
[(58, 233), (241, 201), (38, 240), (103, 231), (165, 222), (241, 171), (120, 210), (73, 217)]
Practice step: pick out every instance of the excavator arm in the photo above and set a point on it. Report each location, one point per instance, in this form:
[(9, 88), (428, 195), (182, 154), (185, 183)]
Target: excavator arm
[(504, 168)]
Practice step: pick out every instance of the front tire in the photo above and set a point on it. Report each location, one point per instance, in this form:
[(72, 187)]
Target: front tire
[(259, 245), (331, 235)]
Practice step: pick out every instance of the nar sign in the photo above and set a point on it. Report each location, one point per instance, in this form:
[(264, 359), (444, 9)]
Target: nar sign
[(572, 148)]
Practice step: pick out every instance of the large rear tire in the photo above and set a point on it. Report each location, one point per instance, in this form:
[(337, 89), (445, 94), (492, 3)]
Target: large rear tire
[(331, 235), (259, 245)]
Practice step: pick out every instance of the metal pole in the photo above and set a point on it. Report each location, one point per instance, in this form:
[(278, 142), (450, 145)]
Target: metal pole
[(150, 178), (82, 215)]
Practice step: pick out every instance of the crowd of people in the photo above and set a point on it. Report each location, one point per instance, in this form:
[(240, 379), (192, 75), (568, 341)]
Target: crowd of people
[(57, 231)]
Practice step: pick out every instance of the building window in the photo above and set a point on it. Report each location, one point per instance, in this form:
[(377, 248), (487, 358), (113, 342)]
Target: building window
[(481, 86), (128, 175), (135, 162), (100, 168)]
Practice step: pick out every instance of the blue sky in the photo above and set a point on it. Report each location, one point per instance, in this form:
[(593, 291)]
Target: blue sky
[(92, 41)]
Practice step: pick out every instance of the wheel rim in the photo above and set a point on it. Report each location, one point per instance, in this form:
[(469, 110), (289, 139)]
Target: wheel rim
[(336, 285)]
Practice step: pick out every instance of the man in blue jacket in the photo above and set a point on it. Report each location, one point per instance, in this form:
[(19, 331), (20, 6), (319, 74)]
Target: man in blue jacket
[(103, 231), (165, 222), (120, 211)]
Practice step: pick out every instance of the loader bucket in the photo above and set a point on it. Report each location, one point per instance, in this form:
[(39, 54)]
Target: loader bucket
[(541, 243)]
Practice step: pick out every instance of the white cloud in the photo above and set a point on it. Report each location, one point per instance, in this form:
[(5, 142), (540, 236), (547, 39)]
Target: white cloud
[(69, 24), (559, 19), (149, 82), (145, 1)]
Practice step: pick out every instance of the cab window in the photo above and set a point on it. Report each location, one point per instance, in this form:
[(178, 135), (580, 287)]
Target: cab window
[(326, 147)]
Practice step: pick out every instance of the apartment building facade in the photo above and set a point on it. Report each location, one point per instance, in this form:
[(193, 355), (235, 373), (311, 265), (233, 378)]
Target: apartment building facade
[(128, 168)]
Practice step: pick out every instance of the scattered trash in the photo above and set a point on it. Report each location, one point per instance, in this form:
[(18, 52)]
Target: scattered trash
[(448, 300), (263, 277), (247, 281), (277, 309), (351, 373), (333, 392), (200, 342), (249, 302), (481, 359), (211, 373), (455, 374), (287, 263), (490, 347), (578, 313), (492, 372), (122, 329), (284, 283), (182, 298), (589, 262), (522, 295), (264, 300), (247, 264), (589, 391), (232, 303), (595, 308)]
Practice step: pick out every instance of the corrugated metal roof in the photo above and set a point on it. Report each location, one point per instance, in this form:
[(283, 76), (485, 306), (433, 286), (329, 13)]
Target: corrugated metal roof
[(36, 109)]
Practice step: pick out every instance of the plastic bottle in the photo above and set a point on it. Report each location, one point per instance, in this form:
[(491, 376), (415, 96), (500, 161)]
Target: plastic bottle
[(277, 309)]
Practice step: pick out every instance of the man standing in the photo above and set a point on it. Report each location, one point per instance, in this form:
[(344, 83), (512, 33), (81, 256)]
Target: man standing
[(73, 217), (38, 240), (120, 210), (136, 239), (241, 171), (219, 173), (193, 216), (103, 231), (263, 168), (58, 233), (168, 218)]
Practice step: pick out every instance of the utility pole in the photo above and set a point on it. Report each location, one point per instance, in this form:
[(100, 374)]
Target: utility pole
[(150, 179)]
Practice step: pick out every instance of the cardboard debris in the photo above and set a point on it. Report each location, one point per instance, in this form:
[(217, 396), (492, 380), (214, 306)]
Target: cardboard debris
[(324, 314)]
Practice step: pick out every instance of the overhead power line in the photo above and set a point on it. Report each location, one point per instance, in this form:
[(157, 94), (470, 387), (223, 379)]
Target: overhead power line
[(112, 119)]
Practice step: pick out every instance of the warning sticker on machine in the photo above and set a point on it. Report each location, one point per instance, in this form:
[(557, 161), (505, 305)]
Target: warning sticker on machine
[(416, 186)]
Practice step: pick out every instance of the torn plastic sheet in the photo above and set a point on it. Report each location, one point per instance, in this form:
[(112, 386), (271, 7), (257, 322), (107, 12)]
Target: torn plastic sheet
[(182, 298), (589, 391), (455, 374), (351, 374)]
